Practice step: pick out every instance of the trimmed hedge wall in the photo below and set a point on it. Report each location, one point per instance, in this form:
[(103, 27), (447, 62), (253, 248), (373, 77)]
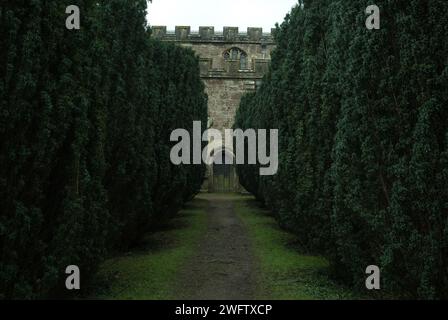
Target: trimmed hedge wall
[(363, 133), (85, 121)]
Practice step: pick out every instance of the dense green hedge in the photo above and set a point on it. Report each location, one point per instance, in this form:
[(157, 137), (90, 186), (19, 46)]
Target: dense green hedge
[(363, 120), (85, 121)]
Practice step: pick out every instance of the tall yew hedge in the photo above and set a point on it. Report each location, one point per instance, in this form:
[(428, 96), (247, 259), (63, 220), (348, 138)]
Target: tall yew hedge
[(363, 120), (85, 121)]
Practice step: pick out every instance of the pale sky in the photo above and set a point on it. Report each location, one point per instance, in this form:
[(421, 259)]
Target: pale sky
[(219, 13)]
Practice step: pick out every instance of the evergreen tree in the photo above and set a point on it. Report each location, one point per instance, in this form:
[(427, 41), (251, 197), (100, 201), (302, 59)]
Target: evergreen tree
[(362, 139), (79, 137)]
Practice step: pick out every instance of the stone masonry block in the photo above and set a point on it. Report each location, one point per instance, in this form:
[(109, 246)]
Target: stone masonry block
[(182, 32), (254, 34), (230, 33), (158, 32), (206, 33)]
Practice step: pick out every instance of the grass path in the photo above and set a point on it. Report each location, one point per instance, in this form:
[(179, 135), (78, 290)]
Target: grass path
[(198, 243), (285, 273), (149, 272)]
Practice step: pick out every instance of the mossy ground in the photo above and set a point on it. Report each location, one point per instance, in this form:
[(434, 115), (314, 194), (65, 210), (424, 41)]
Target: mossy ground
[(284, 272), (149, 272)]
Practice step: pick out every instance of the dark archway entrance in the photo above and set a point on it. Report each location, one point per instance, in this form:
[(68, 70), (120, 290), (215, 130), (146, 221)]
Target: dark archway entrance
[(223, 176)]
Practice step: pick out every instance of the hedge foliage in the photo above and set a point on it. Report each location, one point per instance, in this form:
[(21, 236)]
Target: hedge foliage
[(85, 122), (363, 139)]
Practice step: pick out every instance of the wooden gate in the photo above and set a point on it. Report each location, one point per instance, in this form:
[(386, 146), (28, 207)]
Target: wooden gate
[(223, 175), (223, 178)]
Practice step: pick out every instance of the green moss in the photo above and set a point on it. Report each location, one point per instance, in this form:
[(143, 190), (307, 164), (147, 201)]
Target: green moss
[(150, 273), (285, 273)]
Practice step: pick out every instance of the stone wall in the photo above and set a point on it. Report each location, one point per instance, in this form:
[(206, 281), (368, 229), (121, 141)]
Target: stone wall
[(224, 97), (225, 76)]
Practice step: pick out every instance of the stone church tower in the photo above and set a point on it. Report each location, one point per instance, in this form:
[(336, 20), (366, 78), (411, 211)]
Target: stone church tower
[(232, 63)]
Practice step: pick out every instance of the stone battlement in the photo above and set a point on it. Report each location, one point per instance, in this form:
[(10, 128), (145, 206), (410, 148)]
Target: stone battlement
[(208, 34)]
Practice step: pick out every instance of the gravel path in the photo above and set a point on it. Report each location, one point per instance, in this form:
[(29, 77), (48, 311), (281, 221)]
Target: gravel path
[(223, 266)]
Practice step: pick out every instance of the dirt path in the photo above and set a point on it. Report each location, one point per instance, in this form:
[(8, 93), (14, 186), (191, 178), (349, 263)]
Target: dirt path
[(223, 266)]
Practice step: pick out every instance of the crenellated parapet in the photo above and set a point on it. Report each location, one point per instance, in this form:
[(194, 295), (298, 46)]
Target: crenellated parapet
[(208, 34), (229, 54)]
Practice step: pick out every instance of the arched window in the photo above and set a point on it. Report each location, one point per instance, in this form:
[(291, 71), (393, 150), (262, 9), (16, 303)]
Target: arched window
[(237, 54), (243, 62)]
